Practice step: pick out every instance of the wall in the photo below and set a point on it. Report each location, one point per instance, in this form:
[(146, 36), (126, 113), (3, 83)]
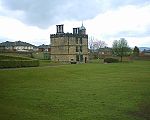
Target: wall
[(63, 47)]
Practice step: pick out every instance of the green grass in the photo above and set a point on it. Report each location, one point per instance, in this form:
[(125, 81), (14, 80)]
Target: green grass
[(76, 92), (49, 63)]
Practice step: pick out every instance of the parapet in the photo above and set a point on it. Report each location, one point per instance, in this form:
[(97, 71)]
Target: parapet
[(68, 35)]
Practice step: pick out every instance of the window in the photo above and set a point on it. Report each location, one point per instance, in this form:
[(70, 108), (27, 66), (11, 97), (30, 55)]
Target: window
[(81, 40), (76, 40), (81, 58), (77, 57), (77, 49), (80, 48)]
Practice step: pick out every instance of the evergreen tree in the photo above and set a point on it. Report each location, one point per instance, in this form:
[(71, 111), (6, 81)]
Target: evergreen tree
[(136, 51)]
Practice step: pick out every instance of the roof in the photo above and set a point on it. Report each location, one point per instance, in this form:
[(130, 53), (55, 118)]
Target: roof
[(146, 51), (6, 44), (44, 46), (82, 27)]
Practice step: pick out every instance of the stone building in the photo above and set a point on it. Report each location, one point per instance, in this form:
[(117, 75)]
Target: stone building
[(69, 47)]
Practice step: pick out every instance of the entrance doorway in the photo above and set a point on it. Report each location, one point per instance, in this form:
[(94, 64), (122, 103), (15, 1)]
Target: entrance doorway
[(85, 59)]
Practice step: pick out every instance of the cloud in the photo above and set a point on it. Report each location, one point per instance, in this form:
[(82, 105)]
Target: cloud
[(127, 21), (43, 13), (139, 34), (33, 20), (14, 30), (140, 42)]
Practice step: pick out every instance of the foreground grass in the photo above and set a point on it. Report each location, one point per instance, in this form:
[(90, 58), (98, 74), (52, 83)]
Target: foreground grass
[(47, 63), (76, 92)]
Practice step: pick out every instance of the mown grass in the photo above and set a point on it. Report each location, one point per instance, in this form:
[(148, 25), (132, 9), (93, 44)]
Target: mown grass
[(97, 91), (49, 63)]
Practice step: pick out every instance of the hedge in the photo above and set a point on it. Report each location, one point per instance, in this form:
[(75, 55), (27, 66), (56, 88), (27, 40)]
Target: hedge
[(111, 60), (7, 57), (16, 62)]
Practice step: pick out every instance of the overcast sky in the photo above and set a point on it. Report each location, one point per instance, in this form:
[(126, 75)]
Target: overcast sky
[(34, 20)]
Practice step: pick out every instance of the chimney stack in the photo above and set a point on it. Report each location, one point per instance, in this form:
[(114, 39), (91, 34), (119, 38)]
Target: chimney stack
[(60, 29)]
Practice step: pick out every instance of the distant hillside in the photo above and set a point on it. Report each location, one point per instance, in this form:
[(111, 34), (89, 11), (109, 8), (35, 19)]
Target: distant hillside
[(16, 43), (144, 48)]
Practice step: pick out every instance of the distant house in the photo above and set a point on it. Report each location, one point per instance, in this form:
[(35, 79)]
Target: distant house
[(43, 52), (7, 45), (145, 53), (104, 52), (18, 46), (2, 48), (41, 55), (44, 48), (100, 53)]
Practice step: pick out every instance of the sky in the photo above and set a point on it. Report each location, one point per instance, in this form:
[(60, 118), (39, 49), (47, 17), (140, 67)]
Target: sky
[(33, 21)]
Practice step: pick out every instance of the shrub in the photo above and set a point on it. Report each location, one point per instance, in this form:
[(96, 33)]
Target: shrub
[(111, 60), (29, 63), (73, 62), (6, 57), (16, 62)]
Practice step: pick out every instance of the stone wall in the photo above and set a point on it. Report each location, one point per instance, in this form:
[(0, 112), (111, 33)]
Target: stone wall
[(65, 47)]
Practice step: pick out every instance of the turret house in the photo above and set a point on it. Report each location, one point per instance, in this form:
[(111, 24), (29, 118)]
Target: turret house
[(69, 47)]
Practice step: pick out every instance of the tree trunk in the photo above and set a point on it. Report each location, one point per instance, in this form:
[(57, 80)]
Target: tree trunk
[(121, 58)]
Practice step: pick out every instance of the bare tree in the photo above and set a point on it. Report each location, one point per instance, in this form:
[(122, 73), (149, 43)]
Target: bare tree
[(99, 44), (95, 46)]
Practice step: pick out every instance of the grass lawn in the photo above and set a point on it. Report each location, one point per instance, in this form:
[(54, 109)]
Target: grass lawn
[(76, 92), (49, 63)]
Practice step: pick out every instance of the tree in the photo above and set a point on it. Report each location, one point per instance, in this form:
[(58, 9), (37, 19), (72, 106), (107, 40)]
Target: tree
[(136, 51), (99, 44), (120, 48), (95, 47)]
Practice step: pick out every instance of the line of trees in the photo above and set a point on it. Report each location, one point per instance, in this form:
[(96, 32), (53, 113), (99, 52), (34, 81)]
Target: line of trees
[(119, 48)]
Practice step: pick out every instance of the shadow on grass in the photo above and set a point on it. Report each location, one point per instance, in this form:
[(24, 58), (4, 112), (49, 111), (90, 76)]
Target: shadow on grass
[(142, 112)]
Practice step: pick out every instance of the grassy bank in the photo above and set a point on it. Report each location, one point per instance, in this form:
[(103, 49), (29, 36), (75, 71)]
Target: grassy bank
[(76, 92)]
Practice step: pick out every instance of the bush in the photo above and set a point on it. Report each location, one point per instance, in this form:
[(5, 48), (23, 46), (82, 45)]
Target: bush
[(6, 57), (111, 60), (73, 62), (29, 63), (16, 62)]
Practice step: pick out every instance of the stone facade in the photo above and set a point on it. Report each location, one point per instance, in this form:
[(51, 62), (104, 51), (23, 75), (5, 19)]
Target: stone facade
[(67, 47)]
